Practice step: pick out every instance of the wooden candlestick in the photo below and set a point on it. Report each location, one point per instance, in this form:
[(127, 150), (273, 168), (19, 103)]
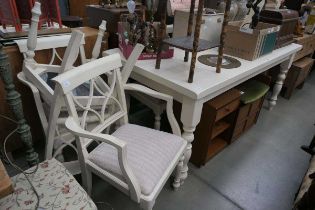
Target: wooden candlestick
[(222, 36)]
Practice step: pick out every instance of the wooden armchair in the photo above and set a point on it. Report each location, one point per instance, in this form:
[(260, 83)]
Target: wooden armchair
[(136, 160)]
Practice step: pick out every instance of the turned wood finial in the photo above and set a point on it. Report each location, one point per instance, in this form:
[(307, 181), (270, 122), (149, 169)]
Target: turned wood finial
[(14, 101), (32, 34), (97, 47)]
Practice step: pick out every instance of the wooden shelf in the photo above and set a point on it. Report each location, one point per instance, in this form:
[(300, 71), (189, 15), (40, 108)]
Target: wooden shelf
[(215, 146), (186, 43), (219, 128)]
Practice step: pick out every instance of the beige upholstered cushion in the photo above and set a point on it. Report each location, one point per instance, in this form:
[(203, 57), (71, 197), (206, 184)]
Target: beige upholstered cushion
[(149, 153)]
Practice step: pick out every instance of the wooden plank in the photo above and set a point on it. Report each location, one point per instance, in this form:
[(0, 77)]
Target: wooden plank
[(215, 147), (224, 98), (186, 43), (219, 128), (42, 32)]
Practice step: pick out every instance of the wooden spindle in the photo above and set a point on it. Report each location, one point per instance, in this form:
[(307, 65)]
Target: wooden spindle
[(97, 47), (15, 103), (32, 34), (196, 41), (190, 24), (222, 36)]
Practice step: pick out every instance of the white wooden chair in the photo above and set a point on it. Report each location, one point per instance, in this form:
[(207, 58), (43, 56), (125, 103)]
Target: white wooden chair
[(136, 160), (156, 105), (52, 119)]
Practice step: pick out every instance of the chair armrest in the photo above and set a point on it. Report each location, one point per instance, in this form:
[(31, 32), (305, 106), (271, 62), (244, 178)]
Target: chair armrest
[(74, 128), (161, 96), (37, 99), (121, 146)]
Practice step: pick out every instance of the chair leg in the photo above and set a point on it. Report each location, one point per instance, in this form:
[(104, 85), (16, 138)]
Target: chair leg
[(157, 122), (177, 179), (87, 180), (147, 205)]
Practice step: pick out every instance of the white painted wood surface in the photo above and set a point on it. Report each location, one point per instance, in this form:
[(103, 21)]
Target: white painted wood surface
[(109, 65), (53, 125), (171, 79)]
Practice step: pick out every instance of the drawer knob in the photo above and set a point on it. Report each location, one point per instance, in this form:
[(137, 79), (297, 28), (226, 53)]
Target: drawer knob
[(227, 109)]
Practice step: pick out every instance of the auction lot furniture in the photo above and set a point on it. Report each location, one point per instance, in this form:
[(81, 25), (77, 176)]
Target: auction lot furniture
[(136, 160), (301, 66), (252, 99), (29, 107), (171, 79), (97, 13), (213, 133)]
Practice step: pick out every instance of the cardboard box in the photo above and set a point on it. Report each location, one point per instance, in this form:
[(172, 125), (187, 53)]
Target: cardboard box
[(127, 48), (250, 44)]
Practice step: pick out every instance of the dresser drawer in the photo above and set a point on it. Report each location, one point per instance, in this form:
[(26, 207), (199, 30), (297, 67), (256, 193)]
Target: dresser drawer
[(227, 109)]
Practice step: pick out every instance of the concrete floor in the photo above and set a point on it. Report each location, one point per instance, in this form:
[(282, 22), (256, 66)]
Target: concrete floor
[(262, 170)]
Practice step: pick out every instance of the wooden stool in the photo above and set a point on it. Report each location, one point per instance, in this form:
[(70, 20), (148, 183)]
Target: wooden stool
[(251, 103)]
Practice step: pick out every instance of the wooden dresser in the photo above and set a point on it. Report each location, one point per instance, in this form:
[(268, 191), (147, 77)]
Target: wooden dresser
[(215, 128)]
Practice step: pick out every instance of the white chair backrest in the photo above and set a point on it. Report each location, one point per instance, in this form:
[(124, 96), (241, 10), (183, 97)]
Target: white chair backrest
[(130, 63), (32, 44), (109, 67), (97, 46)]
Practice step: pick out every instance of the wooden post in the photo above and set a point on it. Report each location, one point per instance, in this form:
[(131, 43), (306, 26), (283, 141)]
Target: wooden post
[(196, 41), (32, 34), (162, 33), (98, 43), (15, 103), (190, 25), (222, 36)]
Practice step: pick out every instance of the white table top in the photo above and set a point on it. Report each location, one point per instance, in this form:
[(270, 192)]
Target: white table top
[(173, 73)]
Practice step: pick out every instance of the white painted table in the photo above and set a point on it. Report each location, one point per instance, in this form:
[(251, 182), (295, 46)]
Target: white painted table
[(172, 79)]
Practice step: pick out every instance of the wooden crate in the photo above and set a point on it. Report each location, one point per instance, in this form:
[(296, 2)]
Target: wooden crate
[(297, 75), (308, 43)]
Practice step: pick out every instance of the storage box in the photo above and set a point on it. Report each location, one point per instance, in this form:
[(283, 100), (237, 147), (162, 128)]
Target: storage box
[(250, 44), (127, 48), (288, 20)]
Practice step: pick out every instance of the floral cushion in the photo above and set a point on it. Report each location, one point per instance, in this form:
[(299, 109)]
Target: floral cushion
[(56, 187)]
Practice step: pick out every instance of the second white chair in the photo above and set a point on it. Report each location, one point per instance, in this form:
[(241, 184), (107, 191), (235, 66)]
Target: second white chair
[(136, 160)]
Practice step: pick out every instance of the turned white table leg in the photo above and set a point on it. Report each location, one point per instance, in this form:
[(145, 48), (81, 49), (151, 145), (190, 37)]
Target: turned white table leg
[(284, 68), (190, 117)]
